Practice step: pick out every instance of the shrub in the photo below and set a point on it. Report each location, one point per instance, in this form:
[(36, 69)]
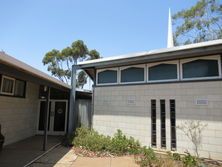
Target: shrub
[(91, 140), (193, 130), (189, 160), (148, 157), (118, 145), (174, 156)]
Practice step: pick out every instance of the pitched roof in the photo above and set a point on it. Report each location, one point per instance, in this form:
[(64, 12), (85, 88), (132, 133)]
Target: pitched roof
[(11, 61)]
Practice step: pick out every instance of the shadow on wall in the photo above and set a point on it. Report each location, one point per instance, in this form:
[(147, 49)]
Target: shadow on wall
[(83, 108)]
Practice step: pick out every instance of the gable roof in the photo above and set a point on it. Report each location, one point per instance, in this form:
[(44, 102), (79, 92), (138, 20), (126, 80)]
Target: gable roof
[(21, 66)]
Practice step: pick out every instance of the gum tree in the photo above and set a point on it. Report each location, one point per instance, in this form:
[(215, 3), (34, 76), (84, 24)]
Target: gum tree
[(60, 62), (201, 22)]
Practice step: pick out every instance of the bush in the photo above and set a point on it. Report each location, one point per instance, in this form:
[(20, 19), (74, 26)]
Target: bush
[(147, 158), (189, 160), (93, 141), (120, 144), (174, 156)]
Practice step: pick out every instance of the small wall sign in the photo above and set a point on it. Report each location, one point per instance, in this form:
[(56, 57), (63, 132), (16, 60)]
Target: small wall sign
[(201, 102), (131, 100)]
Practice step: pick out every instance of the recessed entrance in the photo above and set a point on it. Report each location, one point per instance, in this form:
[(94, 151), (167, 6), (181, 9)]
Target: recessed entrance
[(57, 117)]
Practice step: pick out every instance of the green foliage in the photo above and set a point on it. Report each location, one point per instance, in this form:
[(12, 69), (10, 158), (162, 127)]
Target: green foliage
[(120, 144), (201, 22), (148, 157), (93, 141), (94, 54), (189, 160), (174, 156), (60, 62)]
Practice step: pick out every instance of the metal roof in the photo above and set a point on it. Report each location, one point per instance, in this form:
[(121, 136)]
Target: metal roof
[(158, 54), (11, 61)]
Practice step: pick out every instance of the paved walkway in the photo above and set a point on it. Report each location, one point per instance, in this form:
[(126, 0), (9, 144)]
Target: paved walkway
[(105, 162), (65, 157), (21, 153)]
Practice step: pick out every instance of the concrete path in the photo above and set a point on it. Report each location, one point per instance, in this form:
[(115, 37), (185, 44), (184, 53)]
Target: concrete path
[(65, 157), (105, 162), (58, 157), (22, 152)]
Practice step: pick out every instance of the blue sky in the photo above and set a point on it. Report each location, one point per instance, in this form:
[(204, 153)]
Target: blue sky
[(29, 29)]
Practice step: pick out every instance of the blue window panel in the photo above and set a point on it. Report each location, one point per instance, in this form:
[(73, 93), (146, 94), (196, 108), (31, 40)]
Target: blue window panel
[(200, 68), (108, 76), (163, 72), (132, 74)]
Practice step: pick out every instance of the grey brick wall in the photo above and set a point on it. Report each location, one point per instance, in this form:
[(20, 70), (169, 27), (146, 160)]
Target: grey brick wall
[(128, 108), (18, 116)]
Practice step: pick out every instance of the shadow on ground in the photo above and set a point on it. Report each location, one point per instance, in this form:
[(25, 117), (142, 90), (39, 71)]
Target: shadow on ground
[(60, 157), (22, 152)]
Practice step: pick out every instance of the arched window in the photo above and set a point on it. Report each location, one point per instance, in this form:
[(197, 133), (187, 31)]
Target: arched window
[(201, 68), (107, 76), (132, 74), (163, 71)]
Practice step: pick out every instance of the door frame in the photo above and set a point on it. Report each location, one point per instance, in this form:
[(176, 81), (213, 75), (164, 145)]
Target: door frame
[(51, 132)]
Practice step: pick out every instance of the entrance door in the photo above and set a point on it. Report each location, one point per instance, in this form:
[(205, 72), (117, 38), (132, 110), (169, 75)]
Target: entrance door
[(57, 117)]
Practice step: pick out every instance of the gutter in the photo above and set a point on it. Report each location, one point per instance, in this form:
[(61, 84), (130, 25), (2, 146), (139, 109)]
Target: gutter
[(188, 51)]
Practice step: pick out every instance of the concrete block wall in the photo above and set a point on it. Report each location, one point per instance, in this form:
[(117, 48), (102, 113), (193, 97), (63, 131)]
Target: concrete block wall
[(128, 107), (18, 116)]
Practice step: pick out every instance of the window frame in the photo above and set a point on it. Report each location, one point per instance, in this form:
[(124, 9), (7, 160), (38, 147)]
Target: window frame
[(101, 70), (24, 91), (164, 62), (212, 57), (136, 66), (13, 89)]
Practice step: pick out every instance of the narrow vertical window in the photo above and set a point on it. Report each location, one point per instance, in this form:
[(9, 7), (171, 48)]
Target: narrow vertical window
[(153, 123), (163, 123), (173, 124)]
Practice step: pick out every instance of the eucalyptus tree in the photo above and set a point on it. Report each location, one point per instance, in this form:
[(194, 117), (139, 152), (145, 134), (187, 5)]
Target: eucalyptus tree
[(60, 62), (201, 22)]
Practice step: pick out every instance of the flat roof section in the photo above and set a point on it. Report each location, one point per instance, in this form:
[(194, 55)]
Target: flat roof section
[(197, 49)]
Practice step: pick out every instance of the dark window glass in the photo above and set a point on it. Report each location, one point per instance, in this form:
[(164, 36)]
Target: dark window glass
[(132, 74), (58, 94), (108, 76), (19, 88), (163, 123), (173, 123), (163, 72), (153, 123), (7, 85), (200, 68), (42, 115), (60, 115)]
